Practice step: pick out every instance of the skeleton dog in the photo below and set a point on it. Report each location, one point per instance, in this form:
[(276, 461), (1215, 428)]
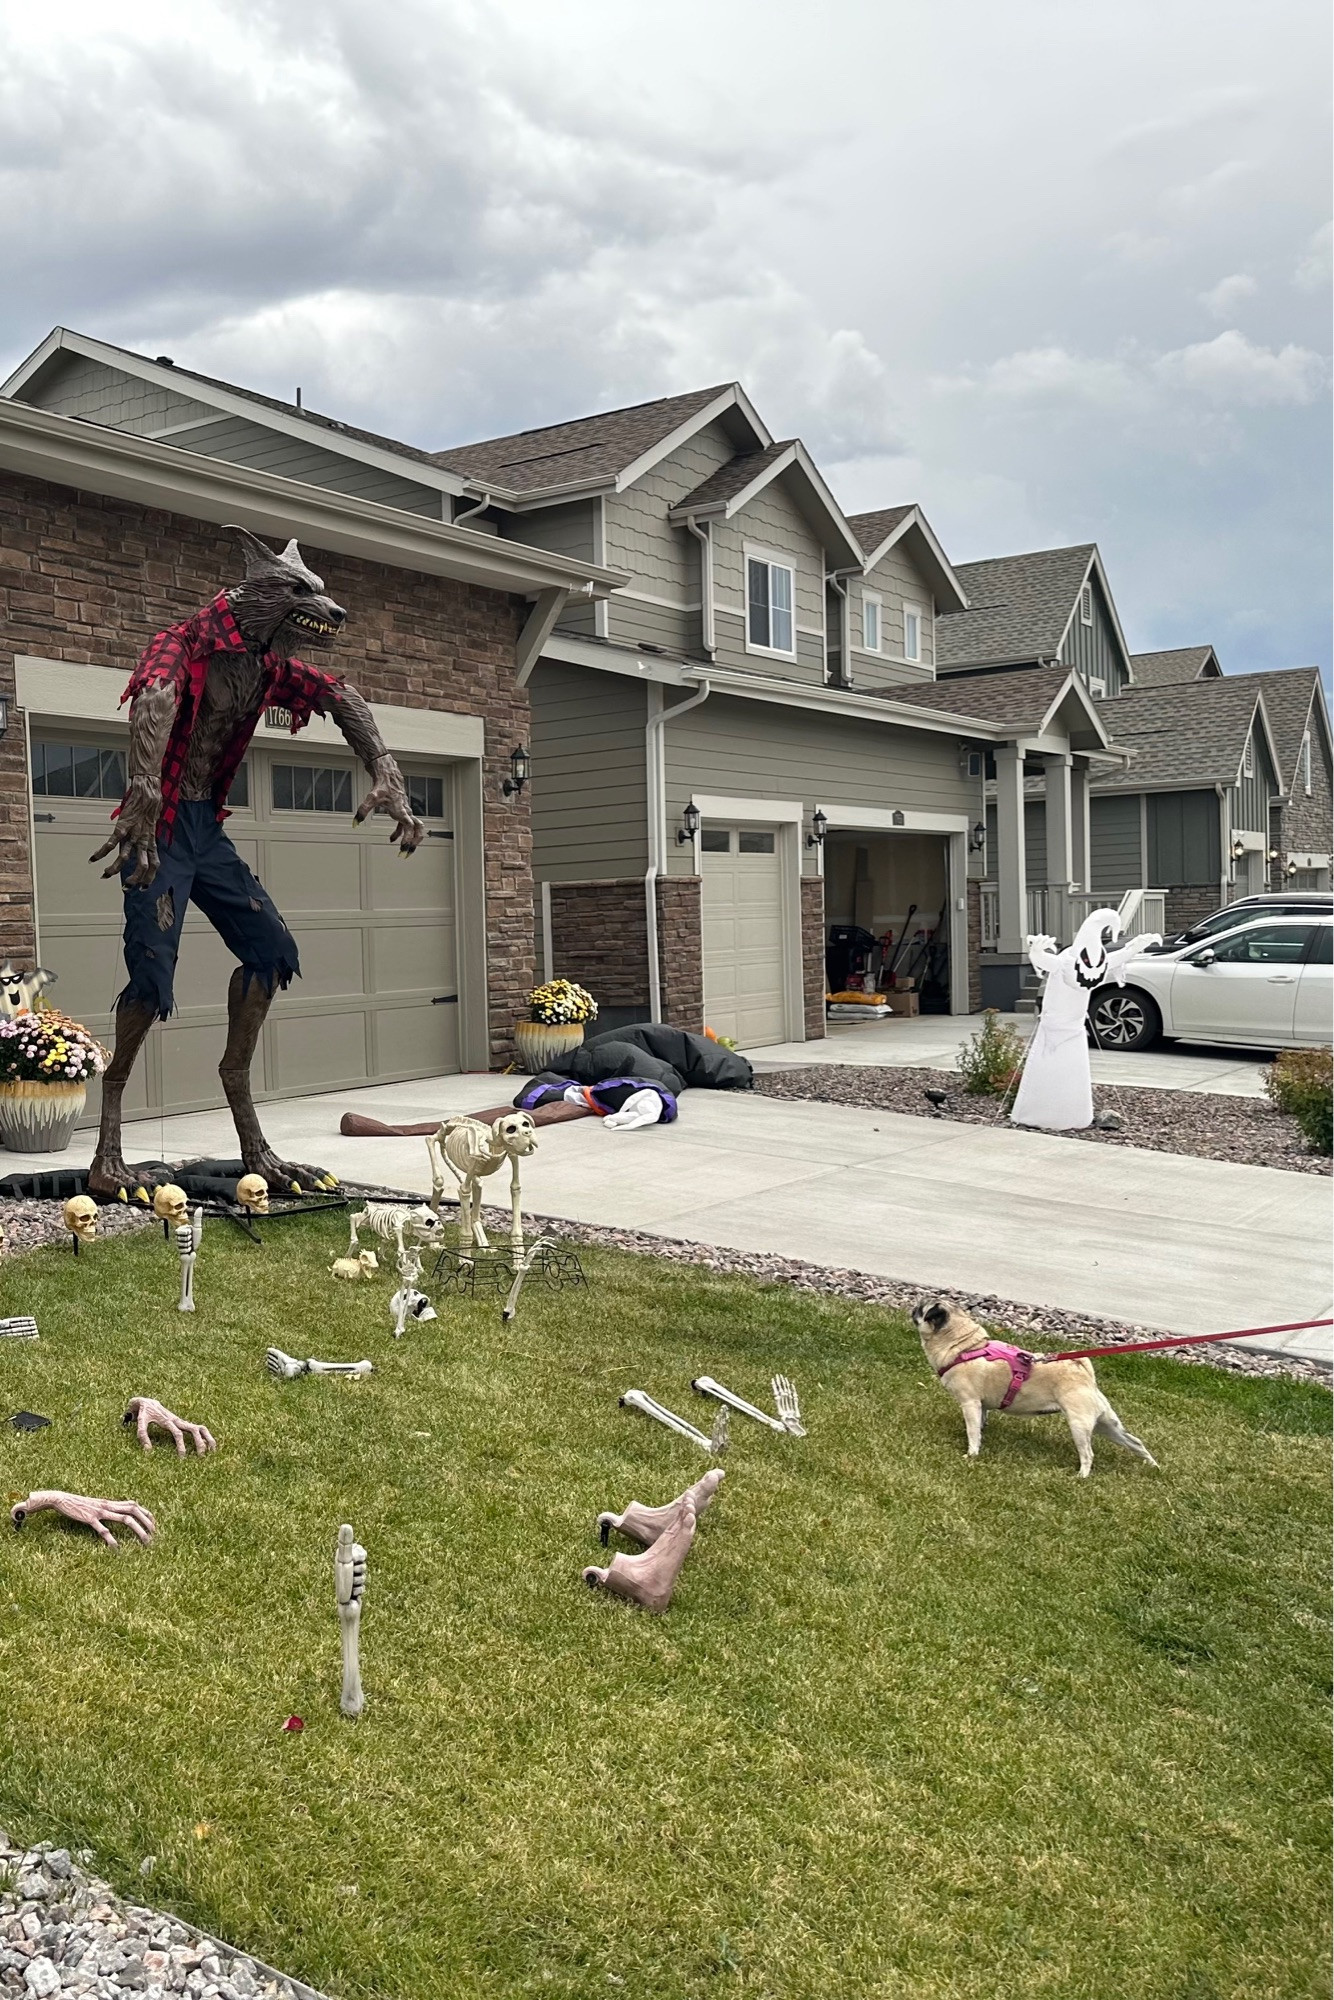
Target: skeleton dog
[(471, 1150)]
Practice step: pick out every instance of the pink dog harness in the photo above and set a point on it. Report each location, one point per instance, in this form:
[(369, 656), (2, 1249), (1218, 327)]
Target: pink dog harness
[(1021, 1365)]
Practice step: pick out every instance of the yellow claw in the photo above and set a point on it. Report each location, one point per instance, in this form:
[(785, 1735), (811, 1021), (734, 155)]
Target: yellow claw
[(141, 1194), (295, 1186), (121, 1195), (331, 1180)]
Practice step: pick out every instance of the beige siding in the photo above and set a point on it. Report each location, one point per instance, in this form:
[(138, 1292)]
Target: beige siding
[(895, 580), (663, 561), (771, 521), (589, 796), (750, 750), (243, 442), (566, 531), (80, 387)]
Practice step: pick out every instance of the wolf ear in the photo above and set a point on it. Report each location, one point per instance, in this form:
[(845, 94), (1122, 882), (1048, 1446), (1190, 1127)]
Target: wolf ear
[(258, 556)]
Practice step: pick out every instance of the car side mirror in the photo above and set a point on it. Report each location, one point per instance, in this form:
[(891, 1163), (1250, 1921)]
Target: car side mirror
[(1205, 957)]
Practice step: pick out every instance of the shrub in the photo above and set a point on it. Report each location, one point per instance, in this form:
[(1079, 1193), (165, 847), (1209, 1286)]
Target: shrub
[(1301, 1082), (991, 1061)]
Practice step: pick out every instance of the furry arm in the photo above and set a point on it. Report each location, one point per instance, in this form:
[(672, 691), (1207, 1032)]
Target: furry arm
[(134, 836), (388, 794)]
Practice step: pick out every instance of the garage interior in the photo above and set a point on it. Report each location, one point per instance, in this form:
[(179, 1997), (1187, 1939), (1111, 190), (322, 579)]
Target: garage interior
[(878, 884)]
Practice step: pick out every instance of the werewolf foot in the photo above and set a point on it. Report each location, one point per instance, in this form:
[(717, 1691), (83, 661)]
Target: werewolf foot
[(287, 1176), (112, 1180)]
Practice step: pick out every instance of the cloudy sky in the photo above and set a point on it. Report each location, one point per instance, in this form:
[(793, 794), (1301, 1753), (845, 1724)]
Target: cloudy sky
[(1060, 273)]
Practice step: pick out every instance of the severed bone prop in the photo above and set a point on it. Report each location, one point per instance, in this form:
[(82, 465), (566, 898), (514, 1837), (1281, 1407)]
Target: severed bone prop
[(649, 1579), (648, 1524), (145, 1411), (188, 1235), (288, 1367), (349, 1589), (704, 1385), (635, 1399), (787, 1406)]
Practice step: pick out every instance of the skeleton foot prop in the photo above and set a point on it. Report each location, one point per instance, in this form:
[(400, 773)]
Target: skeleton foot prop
[(284, 1365), (288, 1367), (89, 1513), (349, 1589), (705, 1385), (649, 1579), (649, 1524), (635, 1399), (787, 1406), (145, 1411)]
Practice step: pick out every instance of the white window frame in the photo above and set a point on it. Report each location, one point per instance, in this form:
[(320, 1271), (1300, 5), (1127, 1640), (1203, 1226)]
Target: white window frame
[(774, 560), (1086, 604), (1097, 686), (914, 611), (1306, 763), (872, 597)]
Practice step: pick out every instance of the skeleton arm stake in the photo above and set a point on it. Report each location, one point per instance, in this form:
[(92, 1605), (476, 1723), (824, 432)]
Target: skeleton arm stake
[(349, 1589), (187, 1242)]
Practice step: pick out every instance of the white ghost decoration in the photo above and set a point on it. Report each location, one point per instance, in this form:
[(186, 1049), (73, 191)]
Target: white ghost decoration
[(1056, 1088)]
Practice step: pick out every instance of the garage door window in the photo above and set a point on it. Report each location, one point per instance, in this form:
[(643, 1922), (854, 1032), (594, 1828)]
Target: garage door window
[(426, 796), (77, 771), (715, 840), (755, 843), (311, 788)]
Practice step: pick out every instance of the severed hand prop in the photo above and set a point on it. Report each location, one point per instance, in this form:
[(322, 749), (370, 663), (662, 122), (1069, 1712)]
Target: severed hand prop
[(145, 1411), (89, 1513)]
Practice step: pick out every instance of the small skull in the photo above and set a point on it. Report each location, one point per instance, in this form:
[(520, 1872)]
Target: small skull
[(81, 1217), (170, 1203), (368, 1261), (252, 1191), (516, 1132)]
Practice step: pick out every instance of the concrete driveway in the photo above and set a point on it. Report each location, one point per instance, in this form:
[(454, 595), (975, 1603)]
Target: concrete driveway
[(1191, 1246)]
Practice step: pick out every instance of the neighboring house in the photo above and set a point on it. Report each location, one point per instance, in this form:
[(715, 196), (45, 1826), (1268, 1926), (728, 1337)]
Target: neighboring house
[(1180, 663), (115, 475), (1190, 813), (1050, 607), (1300, 817)]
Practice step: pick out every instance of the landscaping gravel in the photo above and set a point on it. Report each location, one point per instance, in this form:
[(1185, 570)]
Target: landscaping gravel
[(30, 1224), (1247, 1130), (64, 1931)]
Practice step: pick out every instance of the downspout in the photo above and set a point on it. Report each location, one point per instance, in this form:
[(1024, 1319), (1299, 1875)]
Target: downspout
[(656, 858), (705, 539), (479, 508), (844, 636)]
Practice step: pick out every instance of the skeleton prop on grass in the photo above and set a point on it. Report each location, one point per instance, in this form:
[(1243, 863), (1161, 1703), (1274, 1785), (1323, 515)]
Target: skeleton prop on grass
[(1056, 1088), (81, 1219), (391, 1221), (287, 1367), (349, 1589), (472, 1150), (188, 1235), (407, 1302), (650, 1579)]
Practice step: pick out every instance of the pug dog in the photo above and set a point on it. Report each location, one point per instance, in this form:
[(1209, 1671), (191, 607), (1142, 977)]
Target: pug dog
[(984, 1374)]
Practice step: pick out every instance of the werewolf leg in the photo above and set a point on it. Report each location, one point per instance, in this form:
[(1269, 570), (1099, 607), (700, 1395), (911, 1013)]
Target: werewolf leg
[(247, 1010), (108, 1174)]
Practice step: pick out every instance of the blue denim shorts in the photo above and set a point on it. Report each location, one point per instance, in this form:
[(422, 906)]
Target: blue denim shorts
[(199, 865)]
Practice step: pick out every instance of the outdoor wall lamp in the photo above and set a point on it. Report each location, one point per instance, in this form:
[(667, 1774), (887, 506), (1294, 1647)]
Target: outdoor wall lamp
[(1272, 855), (819, 828), (518, 776), (977, 838), (1291, 868), (689, 826), (1238, 849)]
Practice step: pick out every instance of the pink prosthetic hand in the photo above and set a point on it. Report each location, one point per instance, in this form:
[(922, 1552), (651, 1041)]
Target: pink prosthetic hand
[(649, 1579), (647, 1524), (88, 1513), (145, 1411)]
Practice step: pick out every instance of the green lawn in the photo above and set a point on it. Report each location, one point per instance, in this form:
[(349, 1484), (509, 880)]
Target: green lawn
[(912, 1727)]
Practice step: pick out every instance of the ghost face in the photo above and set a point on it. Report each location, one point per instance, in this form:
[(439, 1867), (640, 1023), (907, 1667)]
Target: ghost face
[(170, 1203), (81, 1217)]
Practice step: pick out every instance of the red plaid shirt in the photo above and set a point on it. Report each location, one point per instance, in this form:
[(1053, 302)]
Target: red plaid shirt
[(179, 658)]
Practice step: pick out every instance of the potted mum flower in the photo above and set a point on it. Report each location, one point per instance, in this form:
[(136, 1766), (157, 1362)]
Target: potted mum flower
[(45, 1064), (557, 1015)]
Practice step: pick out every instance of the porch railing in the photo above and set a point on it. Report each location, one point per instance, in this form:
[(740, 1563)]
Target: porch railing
[(1059, 913)]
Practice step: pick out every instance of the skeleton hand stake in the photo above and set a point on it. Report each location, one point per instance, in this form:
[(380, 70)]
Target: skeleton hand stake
[(349, 1589)]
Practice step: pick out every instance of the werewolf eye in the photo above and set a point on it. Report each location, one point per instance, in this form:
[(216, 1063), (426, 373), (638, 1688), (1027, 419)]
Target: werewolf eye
[(300, 589)]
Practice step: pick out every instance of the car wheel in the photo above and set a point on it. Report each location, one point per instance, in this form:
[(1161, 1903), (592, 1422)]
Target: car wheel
[(1124, 1019)]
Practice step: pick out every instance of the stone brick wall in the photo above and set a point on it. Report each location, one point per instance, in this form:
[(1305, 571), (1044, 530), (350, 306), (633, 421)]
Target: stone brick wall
[(681, 950), (599, 935), (812, 955), (1305, 822), (1187, 906), (974, 947), (90, 580)]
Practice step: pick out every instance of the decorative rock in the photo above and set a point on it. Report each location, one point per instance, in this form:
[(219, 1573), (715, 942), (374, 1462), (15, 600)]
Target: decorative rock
[(41, 1979)]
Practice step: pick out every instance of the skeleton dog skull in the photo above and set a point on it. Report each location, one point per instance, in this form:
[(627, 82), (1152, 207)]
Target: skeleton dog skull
[(81, 1217), (252, 1192), (171, 1203)]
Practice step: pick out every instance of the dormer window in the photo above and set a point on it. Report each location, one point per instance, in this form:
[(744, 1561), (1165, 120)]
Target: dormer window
[(870, 622), (1086, 605), (912, 632), (1306, 763), (769, 597)]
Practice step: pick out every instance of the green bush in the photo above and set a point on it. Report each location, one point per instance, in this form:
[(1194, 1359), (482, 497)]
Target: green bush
[(991, 1061), (1301, 1082)]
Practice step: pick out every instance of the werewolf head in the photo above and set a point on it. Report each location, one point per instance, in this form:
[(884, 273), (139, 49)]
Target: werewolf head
[(281, 607)]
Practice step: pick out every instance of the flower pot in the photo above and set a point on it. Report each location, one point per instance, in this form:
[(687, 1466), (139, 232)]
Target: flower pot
[(545, 1044), (40, 1117)]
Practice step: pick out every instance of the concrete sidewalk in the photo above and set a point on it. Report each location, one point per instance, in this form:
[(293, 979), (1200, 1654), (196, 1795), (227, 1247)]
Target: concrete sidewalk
[(933, 1041), (1191, 1246)]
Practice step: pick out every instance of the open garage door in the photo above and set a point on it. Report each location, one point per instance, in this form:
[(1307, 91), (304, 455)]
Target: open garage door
[(377, 1000)]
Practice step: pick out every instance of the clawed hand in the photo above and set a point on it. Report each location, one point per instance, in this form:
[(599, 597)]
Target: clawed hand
[(389, 796), (134, 837), (145, 1411), (89, 1513)]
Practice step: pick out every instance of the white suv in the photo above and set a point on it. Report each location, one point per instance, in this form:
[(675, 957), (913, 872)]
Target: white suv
[(1269, 984)]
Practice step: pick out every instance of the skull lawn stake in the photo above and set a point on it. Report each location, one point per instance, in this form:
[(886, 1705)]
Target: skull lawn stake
[(349, 1589), (472, 1150), (252, 1192), (171, 1204), (81, 1219)]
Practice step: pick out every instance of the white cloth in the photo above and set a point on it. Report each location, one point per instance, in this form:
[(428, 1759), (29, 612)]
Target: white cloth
[(1056, 1089), (642, 1107)]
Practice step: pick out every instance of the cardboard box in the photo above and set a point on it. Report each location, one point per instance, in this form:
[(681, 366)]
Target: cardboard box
[(902, 1003)]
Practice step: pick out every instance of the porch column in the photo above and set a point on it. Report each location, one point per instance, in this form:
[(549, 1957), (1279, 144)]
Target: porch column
[(1081, 854), (1011, 873), (1060, 832)]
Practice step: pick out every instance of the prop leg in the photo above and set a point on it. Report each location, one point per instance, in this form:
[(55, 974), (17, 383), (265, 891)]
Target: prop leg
[(108, 1175), (247, 1010), (649, 1524), (649, 1579), (516, 1218)]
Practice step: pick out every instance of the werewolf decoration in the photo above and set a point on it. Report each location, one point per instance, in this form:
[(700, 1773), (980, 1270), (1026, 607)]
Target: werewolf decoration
[(195, 700)]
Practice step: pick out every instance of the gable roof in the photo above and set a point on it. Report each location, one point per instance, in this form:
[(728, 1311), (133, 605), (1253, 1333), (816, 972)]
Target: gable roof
[(1289, 695), (611, 448), (1179, 663), (880, 530), (1019, 609), (1027, 702), (1187, 735), (726, 492)]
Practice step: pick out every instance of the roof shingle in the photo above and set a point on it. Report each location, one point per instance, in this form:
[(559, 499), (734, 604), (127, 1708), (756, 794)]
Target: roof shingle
[(1017, 698), (871, 529), (1287, 693), (597, 447), (1190, 734), (733, 477), (1178, 664), (1018, 608)]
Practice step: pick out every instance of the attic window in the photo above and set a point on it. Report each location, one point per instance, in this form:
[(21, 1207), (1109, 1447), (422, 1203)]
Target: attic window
[(1086, 605), (1306, 763)]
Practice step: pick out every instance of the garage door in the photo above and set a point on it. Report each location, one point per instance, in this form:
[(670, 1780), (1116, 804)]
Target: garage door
[(377, 999), (743, 934)]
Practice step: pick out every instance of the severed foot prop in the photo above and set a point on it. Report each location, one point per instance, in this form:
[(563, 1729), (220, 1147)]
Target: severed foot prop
[(787, 1406), (704, 1385), (648, 1524), (649, 1579), (635, 1399), (288, 1367)]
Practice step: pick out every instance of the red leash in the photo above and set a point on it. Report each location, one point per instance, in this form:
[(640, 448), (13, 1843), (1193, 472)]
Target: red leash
[(1183, 1340)]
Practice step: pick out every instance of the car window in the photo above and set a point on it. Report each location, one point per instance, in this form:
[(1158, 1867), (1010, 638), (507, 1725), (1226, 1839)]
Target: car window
[(1322, 951), (1266, 944), (1222, 920)]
